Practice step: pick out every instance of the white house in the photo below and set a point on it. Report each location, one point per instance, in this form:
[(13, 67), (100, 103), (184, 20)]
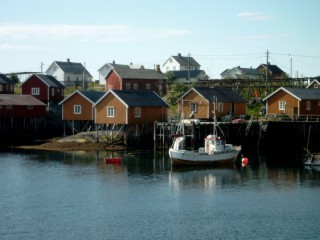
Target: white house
[(178, 63), (70, 73), (242, 73)]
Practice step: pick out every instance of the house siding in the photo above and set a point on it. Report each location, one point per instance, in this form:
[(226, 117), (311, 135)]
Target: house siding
[(120, 111), (113, 81), (205, 108), (86, 108), (6, 88), (292, 104), (22, 111), (148, 115), (34, 82)]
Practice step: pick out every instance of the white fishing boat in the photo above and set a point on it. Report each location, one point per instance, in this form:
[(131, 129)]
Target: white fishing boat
[(215, 150), (312, 159)]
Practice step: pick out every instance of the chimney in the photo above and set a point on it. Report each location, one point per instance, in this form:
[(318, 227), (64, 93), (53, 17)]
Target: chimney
[(68, 59), (179, 54), (113, 62), (157, 68)]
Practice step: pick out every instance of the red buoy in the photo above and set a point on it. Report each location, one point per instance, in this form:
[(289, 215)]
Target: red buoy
[(245, 161), (113, 160)]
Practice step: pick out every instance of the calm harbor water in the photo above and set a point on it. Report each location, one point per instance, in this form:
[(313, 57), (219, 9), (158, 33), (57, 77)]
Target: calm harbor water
[(75, 195)]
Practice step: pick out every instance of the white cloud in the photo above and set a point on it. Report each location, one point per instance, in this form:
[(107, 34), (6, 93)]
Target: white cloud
[(17, 47), (95, 33), (257, 16)]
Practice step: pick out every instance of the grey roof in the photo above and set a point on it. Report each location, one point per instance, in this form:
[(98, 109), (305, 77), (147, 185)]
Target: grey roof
[(5, 80), (305, 93), (251, 71), (222, 94), (50, 80), (272, 68), (20, 100), (185, 61), (72, 67), (125, 72), (92, 96), (140, 98), (185, 73)]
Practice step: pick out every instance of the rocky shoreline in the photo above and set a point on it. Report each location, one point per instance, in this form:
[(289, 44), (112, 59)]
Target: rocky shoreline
[(81, 141)]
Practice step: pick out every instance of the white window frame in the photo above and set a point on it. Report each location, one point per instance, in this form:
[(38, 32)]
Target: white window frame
[(110, 111), (52, 91), (9, 107), (193, 107), (220, 106), (282, 105), (77, 109), (35, 91), (135, 86), (315, 85), (308, 105), (127, 86), (137, 112), (148, 86), (30, 107)]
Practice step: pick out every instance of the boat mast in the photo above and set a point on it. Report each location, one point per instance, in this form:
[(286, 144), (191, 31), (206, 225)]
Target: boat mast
[(214, 115)]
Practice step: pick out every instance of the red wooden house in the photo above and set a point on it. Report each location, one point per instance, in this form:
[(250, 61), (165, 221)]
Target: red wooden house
[(123, 77), (6, 85), (44, 87)]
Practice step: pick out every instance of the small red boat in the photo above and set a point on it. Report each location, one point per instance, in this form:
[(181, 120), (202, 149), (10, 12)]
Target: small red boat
[(115, 160)]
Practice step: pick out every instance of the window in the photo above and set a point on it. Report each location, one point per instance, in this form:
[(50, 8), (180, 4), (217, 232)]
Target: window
[(127, 86), (318, 103), (52, 91), (35, 91), (9, 107), (110, 111), (0, 87), (30, 107), (135, 86), (220, 106), (148, 86), (76, 109), (193, 107), (308, 105), (282, 105), (137, 112), (315, 86)]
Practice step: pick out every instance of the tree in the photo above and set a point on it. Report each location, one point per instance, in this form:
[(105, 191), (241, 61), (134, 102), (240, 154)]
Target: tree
[(14, 78), (176, 91)]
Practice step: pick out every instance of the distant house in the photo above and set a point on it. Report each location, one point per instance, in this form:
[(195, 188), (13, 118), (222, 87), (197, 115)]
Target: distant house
[(130, 107), (179, 63), (242, 73), (21, 106), (314, 84), (106, 69), (199, 103), (273, 71), (122, 77), (293, 102), (185, 76), (44, 87), (6, 85), (70, 73)]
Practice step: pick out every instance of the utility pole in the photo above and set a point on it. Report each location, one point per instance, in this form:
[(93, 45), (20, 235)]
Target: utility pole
[(291, 67), (267, 72), (41, 67), (83, 79), (189, 67)]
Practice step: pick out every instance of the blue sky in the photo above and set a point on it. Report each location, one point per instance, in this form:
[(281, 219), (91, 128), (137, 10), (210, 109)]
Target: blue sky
[(218, 34)]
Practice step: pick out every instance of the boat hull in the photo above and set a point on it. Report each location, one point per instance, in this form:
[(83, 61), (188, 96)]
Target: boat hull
[(185, 157)]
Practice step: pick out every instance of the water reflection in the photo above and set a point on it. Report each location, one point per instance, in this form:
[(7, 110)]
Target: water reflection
[(211, 178)]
